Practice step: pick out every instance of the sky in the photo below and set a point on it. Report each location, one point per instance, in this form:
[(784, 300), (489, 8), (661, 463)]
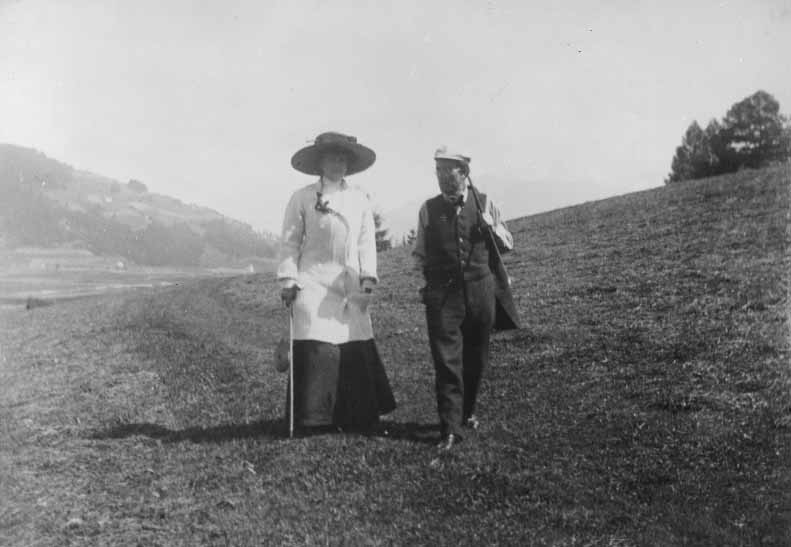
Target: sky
[(557, 103)]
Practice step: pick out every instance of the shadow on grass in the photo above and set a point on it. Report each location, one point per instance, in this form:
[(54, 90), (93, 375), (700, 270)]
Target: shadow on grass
[(271, 429), (409, 431)]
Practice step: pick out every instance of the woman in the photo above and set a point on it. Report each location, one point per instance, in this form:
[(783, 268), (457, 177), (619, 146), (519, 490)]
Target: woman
[(328, 273)]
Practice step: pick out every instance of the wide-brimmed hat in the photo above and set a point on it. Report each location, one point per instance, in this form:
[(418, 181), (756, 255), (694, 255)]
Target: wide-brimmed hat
[(443, 153), (306, 160)]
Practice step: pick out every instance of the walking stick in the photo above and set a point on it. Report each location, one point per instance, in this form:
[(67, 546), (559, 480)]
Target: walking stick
[(291, 371)]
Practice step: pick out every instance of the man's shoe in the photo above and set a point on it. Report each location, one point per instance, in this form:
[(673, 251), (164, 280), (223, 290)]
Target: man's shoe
[(448, 442), (472, 422)]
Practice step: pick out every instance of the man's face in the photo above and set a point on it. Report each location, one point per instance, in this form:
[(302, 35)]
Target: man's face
[(333, 165), (450, 177)]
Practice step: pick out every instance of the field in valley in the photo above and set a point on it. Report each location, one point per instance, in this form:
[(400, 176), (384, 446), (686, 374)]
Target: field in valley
[(646, 401), (46, 276)]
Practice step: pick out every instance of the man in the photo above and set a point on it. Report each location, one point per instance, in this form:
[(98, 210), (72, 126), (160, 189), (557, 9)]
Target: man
[(452, 251)]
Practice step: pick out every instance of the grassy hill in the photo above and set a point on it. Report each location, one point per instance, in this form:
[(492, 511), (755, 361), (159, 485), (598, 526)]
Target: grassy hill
[(49, 204), (646, 401)]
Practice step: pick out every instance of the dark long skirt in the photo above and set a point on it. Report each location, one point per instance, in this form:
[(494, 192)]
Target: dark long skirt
[(344, 385)]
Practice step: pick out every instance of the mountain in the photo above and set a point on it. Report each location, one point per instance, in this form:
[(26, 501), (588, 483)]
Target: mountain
[(49, 204)]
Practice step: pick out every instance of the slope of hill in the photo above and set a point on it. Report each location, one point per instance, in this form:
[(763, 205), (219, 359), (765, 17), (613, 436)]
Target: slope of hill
[(646, 401), (48, 204), (515, 197)]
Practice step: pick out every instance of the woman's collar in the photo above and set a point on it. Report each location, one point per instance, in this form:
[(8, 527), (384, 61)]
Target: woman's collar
[(326, 183)]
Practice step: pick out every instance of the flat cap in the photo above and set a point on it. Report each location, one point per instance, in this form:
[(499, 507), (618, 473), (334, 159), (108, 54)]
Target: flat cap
[(443, 153)]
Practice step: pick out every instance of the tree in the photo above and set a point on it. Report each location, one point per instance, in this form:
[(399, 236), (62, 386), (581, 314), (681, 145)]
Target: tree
[(720, 162), (237, 240), (383, 242), (137, 186), (785, 142), (411, 237), (753, 131), (695, 158), (161, 245), (752, 134)]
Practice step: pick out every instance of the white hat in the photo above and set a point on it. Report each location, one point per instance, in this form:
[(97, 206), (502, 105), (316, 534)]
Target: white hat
[(443, 153)]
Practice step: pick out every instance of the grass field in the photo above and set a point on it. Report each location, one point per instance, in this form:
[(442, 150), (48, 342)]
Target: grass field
[(646, 401)]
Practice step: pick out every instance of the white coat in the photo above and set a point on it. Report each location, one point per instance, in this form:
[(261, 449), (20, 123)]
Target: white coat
[(326, 254)]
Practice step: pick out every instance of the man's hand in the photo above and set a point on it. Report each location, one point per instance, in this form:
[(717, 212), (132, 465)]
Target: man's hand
[(487, 218), (288, 295)]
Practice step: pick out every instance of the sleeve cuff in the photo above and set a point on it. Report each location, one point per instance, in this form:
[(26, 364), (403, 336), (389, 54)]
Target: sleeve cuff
[(288, 282)]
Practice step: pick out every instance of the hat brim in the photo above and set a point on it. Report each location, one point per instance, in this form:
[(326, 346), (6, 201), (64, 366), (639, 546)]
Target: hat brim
[(306, 160), (454, 157)]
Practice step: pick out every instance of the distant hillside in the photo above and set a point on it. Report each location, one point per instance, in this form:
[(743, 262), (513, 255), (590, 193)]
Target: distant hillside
[(46, 203)]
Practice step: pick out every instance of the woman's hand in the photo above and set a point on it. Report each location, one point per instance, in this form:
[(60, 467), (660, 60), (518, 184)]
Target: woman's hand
[(288, 295), (367, 285)]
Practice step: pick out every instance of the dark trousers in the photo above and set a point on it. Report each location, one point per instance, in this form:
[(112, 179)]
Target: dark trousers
[(460, 316)]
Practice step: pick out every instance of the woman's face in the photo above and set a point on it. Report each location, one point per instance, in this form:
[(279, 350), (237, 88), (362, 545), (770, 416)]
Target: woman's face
[(450, 177), (333, 165)]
